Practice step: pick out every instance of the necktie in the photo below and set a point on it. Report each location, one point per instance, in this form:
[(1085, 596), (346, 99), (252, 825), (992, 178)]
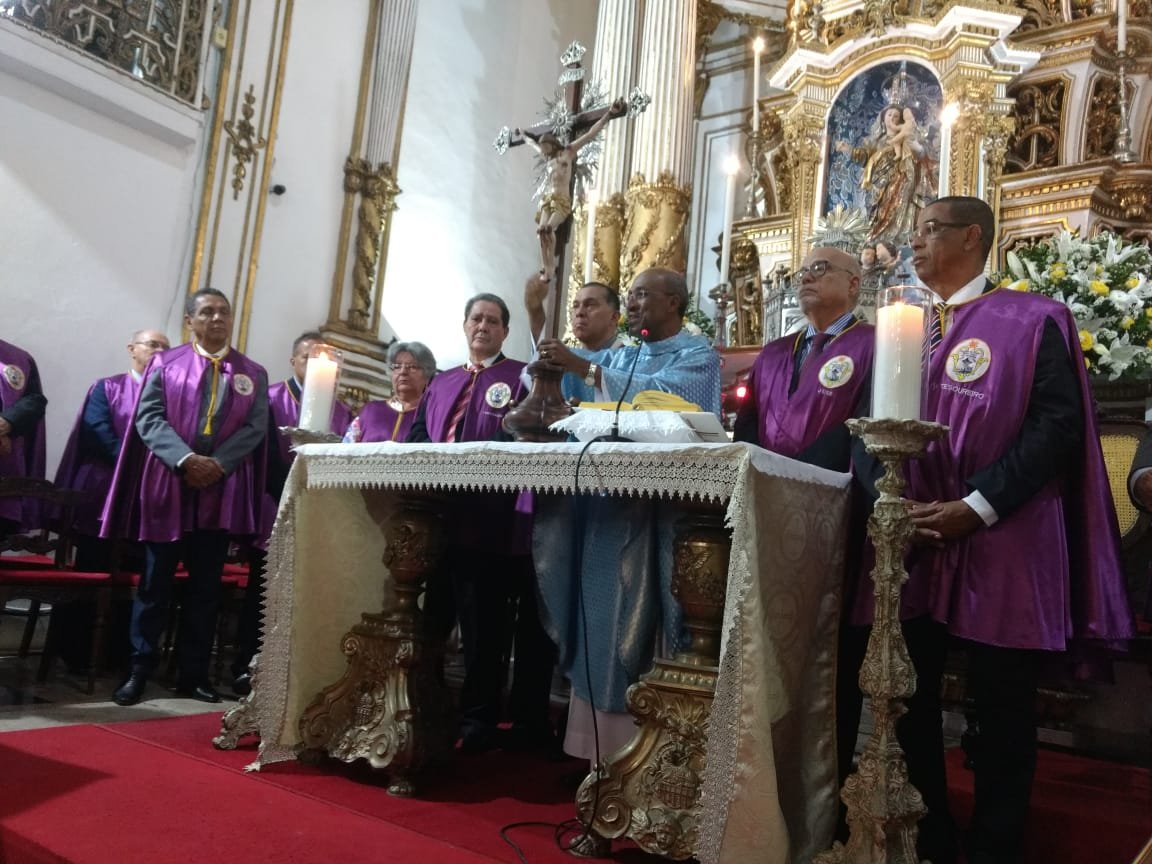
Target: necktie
[(819, 340), (938, 325), (215, 361), (462, 403)]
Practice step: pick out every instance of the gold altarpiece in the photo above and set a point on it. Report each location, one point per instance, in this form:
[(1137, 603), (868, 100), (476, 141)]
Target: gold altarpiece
[(1035, 134)]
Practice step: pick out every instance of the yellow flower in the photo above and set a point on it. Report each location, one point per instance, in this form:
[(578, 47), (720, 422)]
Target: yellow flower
[(1098, 287), (1148, 312), (1087, 363), (1127, 322), (1019, 285), (1087, 340), (1058, 272), (1005, 282), (1132, 282), (1149, 343)]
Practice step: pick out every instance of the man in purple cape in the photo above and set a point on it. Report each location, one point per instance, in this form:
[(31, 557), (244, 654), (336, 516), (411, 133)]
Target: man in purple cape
[(488, 571), (22, 405), (189, 478), (1017, 546), (801, 389), (283, 411), (87, 464)]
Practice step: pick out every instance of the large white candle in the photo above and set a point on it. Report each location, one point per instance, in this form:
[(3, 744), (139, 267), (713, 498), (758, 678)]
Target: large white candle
[(590, 238), (757, 50), (731, 167), (319, 393), (897, 365), (1121, 25)]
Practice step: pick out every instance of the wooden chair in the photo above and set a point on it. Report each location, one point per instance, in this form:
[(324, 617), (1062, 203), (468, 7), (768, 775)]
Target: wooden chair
[(43, 571)]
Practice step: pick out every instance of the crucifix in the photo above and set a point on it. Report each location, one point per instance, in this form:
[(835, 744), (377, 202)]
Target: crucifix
[(568, 151)]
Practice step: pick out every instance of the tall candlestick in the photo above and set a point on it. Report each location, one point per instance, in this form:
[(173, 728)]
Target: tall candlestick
[(319, 393), (590, 237), (1121, 25), (731, 167), (897, 366), (947, 118), (757, 50)]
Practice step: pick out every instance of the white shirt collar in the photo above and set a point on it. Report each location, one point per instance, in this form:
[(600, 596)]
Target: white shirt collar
[(136, 376), (970, 291), (203, 352)]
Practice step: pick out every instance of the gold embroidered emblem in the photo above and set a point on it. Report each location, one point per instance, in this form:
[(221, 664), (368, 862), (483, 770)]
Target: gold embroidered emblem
[(243, 385), (498, 395), (837, 372), (968, 361), (14, 375)]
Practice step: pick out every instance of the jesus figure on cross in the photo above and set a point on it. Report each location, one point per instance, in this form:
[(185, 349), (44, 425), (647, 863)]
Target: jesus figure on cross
[(556, 191)]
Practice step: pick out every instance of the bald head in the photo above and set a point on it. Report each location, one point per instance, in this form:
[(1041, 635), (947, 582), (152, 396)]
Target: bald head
[(829, 285), (144, 344)]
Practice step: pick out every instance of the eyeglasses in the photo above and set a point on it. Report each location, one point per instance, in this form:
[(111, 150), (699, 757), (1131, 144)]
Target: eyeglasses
[(818, 269), (934, 226), (641, 294), (405, 367), (153, 344)]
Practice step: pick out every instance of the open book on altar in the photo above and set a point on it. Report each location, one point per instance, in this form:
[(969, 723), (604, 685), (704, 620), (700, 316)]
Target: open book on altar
[(646, 427)]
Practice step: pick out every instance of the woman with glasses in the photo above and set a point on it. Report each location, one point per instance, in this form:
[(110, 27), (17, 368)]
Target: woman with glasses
[(411, 366)]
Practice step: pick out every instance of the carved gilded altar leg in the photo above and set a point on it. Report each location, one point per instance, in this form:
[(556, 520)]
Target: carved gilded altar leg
[(388, 707), (649, 790), (240, 719), (883, 806)]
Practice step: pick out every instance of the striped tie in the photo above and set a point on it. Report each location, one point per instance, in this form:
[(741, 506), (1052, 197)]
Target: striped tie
[(462, 403), (939, 325), (819, 340)]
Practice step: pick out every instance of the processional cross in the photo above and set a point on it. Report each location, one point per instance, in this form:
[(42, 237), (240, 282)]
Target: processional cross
[(568, 149)]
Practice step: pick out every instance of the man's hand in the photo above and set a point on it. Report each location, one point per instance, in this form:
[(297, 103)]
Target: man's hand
[(536, 290), (558, 354), (5, 427), (618, 108), (5, 445), (937, 522), (200, 472), (1142, 490)]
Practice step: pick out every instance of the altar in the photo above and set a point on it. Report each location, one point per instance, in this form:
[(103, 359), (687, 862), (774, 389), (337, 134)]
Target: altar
[(768, 789)]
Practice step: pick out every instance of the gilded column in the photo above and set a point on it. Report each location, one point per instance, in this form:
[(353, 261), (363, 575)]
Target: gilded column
[(371, 189), (659, 196), (612, 65)]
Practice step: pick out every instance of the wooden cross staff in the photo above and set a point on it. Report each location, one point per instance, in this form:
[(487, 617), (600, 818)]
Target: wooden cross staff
[(558, 140)]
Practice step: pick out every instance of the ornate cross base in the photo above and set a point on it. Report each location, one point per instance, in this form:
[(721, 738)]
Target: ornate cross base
[(389, 707), (883, 807), (650, 789)]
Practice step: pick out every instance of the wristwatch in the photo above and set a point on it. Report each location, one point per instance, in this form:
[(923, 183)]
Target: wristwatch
[(590, 375)]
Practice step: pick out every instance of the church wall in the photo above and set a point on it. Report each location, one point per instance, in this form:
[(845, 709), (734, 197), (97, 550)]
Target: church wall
[(464, 222), (98, 187), (298, 241)]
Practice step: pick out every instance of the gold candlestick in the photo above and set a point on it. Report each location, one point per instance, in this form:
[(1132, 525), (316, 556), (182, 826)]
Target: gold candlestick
[(883, 806)]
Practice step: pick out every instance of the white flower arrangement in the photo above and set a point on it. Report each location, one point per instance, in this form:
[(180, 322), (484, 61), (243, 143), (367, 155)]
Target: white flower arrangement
[(1106, 283)]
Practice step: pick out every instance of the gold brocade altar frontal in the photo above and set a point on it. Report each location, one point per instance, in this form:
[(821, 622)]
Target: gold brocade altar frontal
[(769, 785)]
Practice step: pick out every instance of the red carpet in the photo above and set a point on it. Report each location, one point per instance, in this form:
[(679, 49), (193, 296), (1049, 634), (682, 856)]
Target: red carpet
[(157, 791)]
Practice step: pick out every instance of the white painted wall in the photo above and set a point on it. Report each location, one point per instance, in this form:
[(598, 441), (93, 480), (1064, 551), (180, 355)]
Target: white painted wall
[(298, 246), (98, 184), (465, 218)]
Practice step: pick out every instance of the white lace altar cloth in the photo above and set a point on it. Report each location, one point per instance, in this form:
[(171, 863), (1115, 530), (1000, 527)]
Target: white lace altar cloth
[(769, 790)]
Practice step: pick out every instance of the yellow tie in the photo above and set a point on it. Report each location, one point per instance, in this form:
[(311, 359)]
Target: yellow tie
[(215, 361)]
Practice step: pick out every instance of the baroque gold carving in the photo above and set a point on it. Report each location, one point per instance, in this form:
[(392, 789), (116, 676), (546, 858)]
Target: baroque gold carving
[(378, 190), (245, 140), (883, 806), (649, 791), (1103, 113), (656, 216), (388, 707), (1039, 114)]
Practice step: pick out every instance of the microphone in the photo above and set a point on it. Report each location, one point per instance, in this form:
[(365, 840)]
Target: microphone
[(614, 435)]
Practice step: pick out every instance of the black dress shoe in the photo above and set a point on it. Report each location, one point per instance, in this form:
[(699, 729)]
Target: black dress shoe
[(477, 740), (202, 692), (130, 691), (242, 684)]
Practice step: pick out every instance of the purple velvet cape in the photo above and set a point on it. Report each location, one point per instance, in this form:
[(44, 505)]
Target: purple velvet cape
[(1049, 572), (27, 457), (379, 421), (481, 421), (81, 471), (790, 423), (148, 500), (493, 522)]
